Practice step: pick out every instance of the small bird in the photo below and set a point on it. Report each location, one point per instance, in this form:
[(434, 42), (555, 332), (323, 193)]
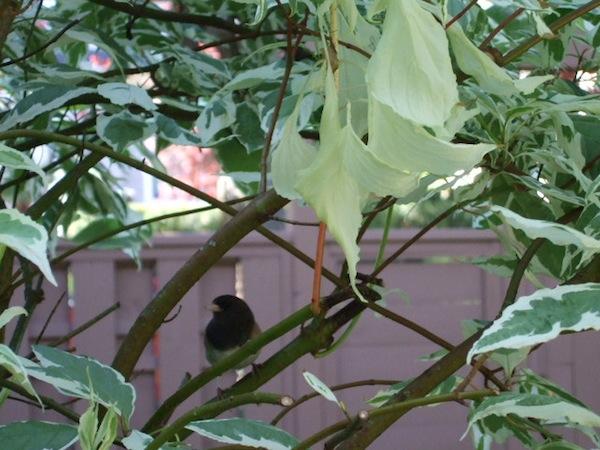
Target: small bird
[(231, 326)]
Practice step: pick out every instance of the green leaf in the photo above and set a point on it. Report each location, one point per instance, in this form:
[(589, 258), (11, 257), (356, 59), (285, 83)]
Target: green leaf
[(88, 425), (261, 9), (424, 90), (36, 435), (27, 238), (551, 410), (126, 94), (255, 77), (14, 364), (217, 115), (41, 101), (123, 129), (83, 377), (13, 159), (107, 432), (542, 316), (10, 313), (322, 389), (171, 131), (251, 433)]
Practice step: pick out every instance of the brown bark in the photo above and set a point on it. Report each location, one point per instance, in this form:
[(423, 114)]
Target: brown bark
[(8, 11)]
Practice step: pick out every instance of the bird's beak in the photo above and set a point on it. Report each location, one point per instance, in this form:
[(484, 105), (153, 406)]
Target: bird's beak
[(214, 308)]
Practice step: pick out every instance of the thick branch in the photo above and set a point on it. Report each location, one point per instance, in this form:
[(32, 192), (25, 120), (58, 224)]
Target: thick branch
[(152, 317)]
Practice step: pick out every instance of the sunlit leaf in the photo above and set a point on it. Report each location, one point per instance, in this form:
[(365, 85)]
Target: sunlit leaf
[(27, 238), (404, 145), (410, 71)]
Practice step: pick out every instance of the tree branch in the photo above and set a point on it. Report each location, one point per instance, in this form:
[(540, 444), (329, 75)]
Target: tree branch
[(169, 16)]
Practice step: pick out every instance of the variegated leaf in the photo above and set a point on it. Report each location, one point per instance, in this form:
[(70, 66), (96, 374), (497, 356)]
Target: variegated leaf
[(249, 433), (27, 238), (541, 317)]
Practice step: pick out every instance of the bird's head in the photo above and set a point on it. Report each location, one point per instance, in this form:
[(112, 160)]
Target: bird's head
[(226, 305)]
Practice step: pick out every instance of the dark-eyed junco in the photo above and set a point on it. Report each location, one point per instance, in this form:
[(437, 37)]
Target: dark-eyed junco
[(231, 326)]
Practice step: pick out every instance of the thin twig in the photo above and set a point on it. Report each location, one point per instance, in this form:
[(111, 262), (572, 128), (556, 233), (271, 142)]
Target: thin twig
[(461, 13), (291, 49), (500, 27), (51, 41), (294, 222), (391, 409), (49, 318), (407, 323), (338, 387), (554, 26), (83, 327), (47, 401)]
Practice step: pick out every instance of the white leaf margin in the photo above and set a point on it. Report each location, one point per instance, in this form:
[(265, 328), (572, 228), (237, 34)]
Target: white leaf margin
[(234, 427), (587, 321), (36, 249), (543, 407)]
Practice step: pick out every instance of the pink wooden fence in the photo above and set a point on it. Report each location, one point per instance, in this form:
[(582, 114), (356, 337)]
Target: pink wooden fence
[(275, 285)]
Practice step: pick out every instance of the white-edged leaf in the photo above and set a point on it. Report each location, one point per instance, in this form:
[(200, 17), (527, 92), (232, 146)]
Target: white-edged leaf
[(123, 129), (322, 389), (542, 316), (254, 77), (552, 410), (37, 435), (251, 433), (217, 115), (40, 101), (27, 238), (556, 233), (126, 94), (83, 377), (10, 313), (404, 145), (13, 159), (411, 71), (14, 364), (171, 131)]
